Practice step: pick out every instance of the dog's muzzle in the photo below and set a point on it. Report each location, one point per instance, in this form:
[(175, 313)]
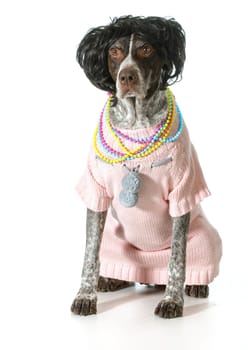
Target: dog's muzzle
[(128, 79)]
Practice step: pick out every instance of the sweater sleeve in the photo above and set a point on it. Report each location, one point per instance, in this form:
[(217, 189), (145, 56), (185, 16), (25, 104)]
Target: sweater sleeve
[(188, 187), (91, 188)]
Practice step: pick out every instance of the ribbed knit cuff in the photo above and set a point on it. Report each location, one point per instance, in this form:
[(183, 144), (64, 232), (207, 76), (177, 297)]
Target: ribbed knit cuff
[(187, 204)]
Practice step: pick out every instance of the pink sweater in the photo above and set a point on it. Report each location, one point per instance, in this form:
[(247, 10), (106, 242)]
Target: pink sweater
[(136, 241)]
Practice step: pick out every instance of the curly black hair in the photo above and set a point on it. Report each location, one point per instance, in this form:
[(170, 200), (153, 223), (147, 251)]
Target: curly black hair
[(165, 34)]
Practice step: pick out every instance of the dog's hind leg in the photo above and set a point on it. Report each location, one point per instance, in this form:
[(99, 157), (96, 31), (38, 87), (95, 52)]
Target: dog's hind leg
[(86, 299), (106, 284), (197, 291), (172, 303)]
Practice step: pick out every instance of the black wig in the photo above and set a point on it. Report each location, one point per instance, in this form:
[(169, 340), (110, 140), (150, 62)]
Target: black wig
[(165, 35)]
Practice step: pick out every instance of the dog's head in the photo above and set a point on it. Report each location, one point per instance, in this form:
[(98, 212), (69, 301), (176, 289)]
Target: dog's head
[(133, 56)]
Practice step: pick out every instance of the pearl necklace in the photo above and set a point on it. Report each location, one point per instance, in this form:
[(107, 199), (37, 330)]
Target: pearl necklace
[(147, 145)]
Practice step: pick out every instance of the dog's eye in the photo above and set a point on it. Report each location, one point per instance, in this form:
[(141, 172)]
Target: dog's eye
[(145, 51), (115, 52)]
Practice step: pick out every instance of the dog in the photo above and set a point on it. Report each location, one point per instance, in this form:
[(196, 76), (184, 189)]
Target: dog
[(143, 183)]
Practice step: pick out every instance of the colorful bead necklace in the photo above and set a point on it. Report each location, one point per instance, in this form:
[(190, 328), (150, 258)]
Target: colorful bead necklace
[(147, 145)]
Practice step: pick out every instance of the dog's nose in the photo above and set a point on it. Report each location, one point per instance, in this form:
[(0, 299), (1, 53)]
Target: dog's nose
[(128, 76)]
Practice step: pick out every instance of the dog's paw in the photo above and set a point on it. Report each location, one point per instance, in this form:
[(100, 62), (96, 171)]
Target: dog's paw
[(84, 305), (197, 291), (169, 309)]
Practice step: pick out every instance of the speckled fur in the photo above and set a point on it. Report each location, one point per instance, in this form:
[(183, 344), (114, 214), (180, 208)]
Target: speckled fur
[(137, 113), (86, 299), (172, 303)]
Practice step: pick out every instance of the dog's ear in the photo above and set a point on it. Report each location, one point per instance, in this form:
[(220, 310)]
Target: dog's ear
[(92, 57), (172, 47)]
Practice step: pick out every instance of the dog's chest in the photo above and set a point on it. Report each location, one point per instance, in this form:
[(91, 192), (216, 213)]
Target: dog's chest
[(135, 183), (149, 212)]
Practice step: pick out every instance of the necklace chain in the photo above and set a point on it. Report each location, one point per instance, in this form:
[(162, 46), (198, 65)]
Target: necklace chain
[(147, 145)]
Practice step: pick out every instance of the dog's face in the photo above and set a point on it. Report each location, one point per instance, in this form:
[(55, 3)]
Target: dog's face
[(135, 67), (133, 56)]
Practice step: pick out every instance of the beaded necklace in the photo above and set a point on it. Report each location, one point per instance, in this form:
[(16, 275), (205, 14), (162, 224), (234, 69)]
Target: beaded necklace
[(146, 145)]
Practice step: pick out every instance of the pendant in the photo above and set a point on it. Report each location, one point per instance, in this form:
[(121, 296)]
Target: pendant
[(130, 188)]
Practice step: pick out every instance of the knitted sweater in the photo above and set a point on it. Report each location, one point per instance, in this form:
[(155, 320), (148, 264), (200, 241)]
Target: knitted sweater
[(136, 244)]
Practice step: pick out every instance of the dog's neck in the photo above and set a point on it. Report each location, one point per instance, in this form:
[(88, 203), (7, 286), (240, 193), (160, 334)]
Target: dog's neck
[(135, 113)]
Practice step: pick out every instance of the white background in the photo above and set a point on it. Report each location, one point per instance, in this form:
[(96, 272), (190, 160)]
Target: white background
[(48, 112)]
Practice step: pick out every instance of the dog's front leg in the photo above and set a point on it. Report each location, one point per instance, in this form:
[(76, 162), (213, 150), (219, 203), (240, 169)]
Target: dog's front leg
[(172, 303), (86, 299)]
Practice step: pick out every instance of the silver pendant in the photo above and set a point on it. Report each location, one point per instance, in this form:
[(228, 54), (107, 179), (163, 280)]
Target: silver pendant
[(130, 187)]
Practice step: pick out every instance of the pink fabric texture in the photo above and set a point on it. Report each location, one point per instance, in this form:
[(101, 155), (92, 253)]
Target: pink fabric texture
[(136, 244)]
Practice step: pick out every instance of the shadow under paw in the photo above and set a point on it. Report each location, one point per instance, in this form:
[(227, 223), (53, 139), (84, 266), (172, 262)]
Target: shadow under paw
[(168, 309), (197, 291), (84, 306)]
